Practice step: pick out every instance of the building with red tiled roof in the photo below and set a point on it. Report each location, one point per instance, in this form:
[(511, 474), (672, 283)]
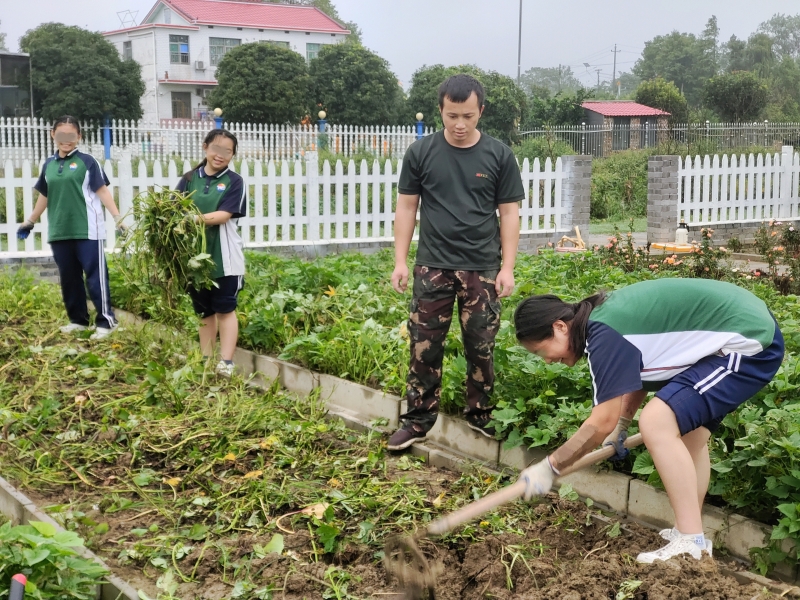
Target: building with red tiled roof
[(180, 43), (624, 124)]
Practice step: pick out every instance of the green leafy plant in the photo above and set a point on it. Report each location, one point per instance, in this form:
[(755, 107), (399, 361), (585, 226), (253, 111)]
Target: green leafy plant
[(50, 560)]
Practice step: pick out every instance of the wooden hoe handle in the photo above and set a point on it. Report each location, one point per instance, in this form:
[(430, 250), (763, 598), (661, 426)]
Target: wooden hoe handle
[(463, 515)]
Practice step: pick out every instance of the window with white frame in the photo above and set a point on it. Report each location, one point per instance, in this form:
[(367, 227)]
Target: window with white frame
[(312, 51), (219, 47), (127, 50), (179, 49)]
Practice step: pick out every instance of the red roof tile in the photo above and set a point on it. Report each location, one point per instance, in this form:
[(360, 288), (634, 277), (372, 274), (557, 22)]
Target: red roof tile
[(266, 15), (622, 108)]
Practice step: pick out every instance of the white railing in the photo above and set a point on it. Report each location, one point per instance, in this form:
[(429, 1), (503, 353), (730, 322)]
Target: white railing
[(25, 138), (737, 189), (291, 202)]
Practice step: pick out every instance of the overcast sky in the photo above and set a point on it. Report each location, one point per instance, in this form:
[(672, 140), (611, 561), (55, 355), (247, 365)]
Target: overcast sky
[(411, 33)]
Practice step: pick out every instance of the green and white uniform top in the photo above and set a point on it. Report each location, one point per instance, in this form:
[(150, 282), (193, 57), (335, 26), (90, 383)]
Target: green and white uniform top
[(223, 191), (645, 334), (70, 184)]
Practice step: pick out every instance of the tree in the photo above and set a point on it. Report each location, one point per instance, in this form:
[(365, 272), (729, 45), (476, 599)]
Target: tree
[(561, 109), (681, 58), (80, 73), (665, 95), (738, 96), (355, 86), (2, 40), (262, 83), (553, 79), (329, 9), (505, 103), (784, 92), (785, 32)]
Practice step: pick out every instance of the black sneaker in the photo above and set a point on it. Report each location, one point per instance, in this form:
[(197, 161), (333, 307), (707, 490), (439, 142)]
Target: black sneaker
[(486, 430), (405, 437)]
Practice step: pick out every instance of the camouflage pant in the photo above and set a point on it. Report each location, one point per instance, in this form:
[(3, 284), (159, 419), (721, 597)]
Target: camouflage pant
[(435, 292)]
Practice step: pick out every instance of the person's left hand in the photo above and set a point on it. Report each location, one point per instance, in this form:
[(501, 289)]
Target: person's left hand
[(617, 439), (538, 479), (504, 283), (122, 227)]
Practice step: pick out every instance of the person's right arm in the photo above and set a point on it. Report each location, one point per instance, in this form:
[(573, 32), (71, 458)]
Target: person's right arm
[(405, 220), (38, 209)]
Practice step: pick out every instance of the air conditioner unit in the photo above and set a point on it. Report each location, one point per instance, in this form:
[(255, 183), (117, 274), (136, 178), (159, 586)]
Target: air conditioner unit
[(199, 65)]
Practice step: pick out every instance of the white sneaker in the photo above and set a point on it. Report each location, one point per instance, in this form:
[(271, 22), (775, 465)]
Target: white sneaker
[(224, 369), (682, 545), (72, 327), (101, 333), (672, 534)]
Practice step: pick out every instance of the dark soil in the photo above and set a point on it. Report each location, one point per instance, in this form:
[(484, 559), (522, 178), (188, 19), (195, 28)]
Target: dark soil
[(564, 551)]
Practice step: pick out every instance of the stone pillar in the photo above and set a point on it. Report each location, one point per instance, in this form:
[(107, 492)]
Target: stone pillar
[(608, 136), (576, 193), (662, 198), (635, 133)]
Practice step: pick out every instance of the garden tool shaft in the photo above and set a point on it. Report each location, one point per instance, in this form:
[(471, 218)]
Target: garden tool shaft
[(449, 522), (404, 559)]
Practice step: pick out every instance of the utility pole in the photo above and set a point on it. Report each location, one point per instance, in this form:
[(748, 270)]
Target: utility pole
[(519, 45), (559, 77), (598, 80), (614, 73)]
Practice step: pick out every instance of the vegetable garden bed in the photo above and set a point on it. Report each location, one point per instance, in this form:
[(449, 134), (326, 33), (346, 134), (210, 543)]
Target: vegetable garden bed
[(193, 487)]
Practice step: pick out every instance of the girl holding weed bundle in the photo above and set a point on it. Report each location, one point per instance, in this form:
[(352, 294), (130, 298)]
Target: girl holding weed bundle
[(75, 189), (704, 346), (220, 194)]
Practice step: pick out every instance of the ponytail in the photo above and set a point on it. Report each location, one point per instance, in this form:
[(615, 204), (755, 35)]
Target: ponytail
[(534, 318)]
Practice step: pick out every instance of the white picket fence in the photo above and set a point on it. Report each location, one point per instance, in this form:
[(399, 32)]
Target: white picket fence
[(739, 189), (291, 202), (29, 139)]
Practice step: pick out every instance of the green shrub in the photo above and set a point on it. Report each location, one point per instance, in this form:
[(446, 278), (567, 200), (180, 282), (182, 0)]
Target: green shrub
[(542, 148), (619, 185)]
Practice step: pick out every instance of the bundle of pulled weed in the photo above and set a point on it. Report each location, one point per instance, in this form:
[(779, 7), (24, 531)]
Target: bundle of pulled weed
[(166, 249)]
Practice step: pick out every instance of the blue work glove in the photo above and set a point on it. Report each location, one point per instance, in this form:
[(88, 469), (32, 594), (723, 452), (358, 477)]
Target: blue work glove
[(25, 229), (617, 439), (538, 479)]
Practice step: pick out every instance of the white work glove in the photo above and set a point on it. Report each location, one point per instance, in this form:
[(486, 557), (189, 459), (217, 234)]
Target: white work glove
[(122, 228), (617, 439), (538, 479)]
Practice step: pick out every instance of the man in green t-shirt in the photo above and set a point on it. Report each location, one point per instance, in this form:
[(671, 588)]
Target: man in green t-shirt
[(464, 178)]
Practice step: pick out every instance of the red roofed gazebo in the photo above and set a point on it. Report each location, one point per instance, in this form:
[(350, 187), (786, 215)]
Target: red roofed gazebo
[(625, 124)]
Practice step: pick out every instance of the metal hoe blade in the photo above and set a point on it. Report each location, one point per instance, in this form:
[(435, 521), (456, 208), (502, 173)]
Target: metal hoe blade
[(403, 559)]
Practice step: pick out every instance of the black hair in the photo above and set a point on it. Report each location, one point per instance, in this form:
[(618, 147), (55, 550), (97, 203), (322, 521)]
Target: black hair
[(69, 120), (458, 88), (210, 137), (534, 318)]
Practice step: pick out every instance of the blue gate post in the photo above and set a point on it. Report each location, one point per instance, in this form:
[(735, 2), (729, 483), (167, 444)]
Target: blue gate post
[(420, 126), (107, 137), (218, 117)]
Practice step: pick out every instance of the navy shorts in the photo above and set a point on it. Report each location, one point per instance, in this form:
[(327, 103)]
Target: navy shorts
[(715, 386), (217, 300)]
